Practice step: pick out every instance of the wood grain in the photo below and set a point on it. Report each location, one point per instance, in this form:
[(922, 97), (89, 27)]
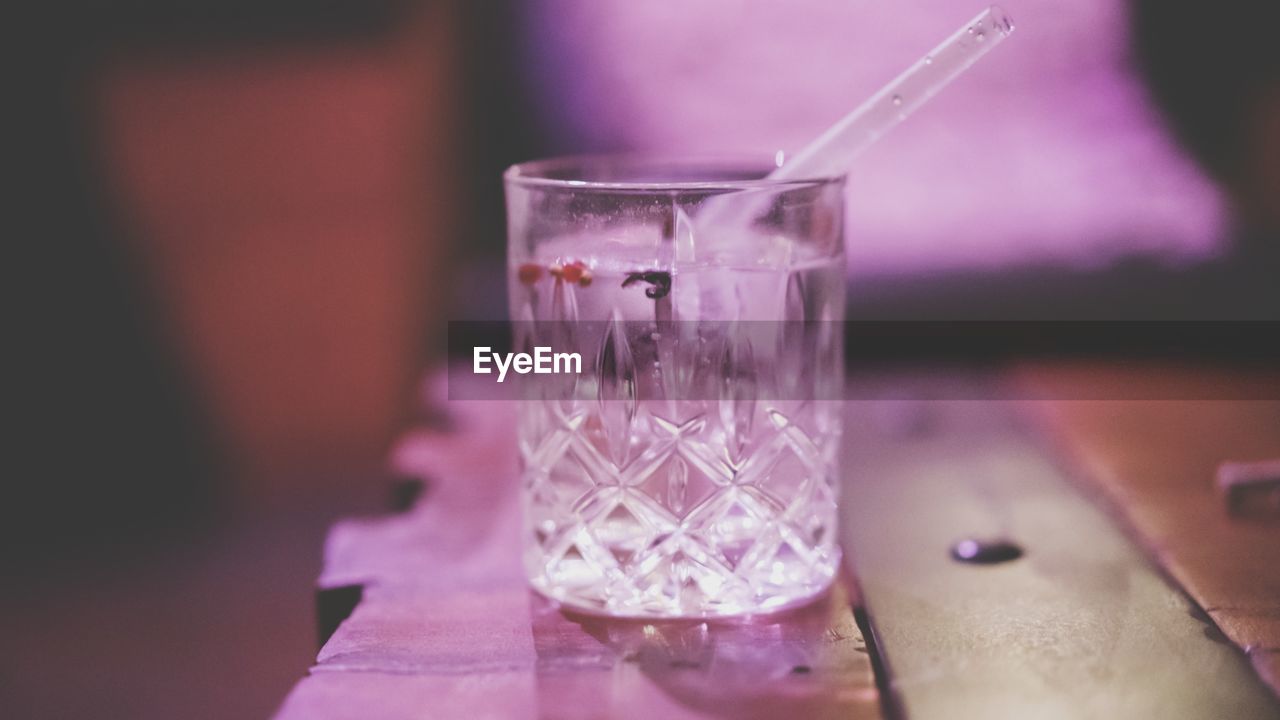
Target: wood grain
[(448, 628), (1156, 461)]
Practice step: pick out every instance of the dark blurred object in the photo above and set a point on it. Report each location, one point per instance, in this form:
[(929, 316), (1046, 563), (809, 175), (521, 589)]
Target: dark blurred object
[(1251, 489), (295, 202), (333, 605), (1240, 285), (183, 24), (1214, 70), (406, 492), (227, 242), (233, 226)]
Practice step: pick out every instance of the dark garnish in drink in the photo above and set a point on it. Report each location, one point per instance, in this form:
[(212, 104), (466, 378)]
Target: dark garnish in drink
[(659, 281)]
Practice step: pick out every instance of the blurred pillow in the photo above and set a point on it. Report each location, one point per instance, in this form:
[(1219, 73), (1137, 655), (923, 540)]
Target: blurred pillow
[(1047, 151)]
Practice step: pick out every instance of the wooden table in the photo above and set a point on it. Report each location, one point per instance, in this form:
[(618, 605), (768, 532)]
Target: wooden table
[(443, 624), (1153, 457)]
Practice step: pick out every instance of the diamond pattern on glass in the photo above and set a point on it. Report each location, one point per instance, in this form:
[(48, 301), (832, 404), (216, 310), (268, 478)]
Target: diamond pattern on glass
[(642, 501)]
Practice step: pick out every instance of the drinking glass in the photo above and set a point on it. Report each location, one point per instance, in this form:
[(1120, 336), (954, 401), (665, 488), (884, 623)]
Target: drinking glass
[(689, 469)]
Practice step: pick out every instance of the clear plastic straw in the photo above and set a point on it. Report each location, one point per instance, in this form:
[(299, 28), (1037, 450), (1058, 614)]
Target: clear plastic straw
[(834, 151)]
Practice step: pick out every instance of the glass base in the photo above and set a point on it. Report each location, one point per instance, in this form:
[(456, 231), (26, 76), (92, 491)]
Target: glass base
[(686, 594)]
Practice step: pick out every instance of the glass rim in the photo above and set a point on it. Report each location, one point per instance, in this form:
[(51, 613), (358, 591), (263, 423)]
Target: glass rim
[(539, 173)]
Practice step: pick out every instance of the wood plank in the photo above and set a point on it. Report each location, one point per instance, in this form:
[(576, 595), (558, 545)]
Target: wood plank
[(447, 626), (1080, 624), (1156, 462), (811, 661)]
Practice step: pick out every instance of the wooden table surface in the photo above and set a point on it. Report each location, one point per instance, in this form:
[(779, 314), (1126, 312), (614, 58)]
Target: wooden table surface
[(1154, 457), (446, 627)]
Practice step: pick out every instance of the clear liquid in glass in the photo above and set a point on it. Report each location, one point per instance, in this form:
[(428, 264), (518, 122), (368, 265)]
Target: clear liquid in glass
[(689, 471)]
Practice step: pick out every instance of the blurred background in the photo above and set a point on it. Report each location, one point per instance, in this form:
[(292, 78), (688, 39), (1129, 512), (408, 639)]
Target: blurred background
[(241, 227)]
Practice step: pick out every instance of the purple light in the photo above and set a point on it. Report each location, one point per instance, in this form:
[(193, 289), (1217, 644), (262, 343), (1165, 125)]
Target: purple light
[(1046, 152)]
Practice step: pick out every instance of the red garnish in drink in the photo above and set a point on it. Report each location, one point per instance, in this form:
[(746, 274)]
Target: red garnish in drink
[(573, 271), (529, 273)]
